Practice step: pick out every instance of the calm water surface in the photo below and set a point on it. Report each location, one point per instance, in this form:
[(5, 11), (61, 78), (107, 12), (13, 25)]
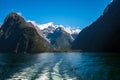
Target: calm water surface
[(60, 66)]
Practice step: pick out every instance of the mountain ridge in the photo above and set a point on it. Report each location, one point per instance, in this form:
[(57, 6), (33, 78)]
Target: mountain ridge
[(57, 35), (103, 34), (68, 29), (18, 36)]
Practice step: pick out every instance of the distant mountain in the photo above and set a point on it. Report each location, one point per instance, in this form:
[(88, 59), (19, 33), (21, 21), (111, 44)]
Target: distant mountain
[(19, 36), (55, 34), (59, 36), (60, 39), (51, 27), (103, 35)]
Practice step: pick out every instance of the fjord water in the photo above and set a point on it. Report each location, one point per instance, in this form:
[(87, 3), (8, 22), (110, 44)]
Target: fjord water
[(60, 66)]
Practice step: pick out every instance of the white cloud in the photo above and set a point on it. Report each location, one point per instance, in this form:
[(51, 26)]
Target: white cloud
[(19, 13), (71, 31), (33, 22)]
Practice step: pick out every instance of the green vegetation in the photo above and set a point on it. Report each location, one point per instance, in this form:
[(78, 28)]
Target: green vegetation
[(31, 41)]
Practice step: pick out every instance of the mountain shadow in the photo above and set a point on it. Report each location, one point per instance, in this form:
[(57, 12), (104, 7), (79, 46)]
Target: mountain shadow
[(103, 35)]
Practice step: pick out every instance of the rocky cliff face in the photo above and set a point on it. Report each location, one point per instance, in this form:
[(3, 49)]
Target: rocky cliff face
[(103, 35), (16, 35), (60, 39)]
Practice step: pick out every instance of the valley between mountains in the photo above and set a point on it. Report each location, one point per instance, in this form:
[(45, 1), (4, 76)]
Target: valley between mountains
[(20, 36)]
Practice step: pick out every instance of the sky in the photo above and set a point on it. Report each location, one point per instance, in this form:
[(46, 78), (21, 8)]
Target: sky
[(75, 13)]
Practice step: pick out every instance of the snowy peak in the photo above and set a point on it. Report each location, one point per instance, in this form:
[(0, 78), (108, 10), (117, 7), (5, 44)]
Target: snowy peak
[(43, 26), (51, 27), (55, 34)]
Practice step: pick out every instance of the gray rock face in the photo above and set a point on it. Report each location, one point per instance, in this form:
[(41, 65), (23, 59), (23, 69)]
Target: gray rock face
[(60, 39), (103, 35)]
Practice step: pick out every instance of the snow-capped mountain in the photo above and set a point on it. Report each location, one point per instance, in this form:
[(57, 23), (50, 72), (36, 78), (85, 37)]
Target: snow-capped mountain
[(43, 26), (51, 27), (57, 35)]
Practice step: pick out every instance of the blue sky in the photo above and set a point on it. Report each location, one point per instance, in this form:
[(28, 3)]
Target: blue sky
[(66, 12)]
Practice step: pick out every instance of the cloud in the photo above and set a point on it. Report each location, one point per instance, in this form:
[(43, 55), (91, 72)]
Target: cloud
[(33, 22), (19, 13), (71, 30)]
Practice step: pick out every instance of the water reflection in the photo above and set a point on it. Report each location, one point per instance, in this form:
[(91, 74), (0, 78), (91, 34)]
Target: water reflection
[(60, 66)]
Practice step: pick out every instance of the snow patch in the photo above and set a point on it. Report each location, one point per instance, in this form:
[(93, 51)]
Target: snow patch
[(67, 29)]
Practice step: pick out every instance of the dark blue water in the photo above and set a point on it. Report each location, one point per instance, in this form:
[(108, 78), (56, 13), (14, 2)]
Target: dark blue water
[(60, 66)]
